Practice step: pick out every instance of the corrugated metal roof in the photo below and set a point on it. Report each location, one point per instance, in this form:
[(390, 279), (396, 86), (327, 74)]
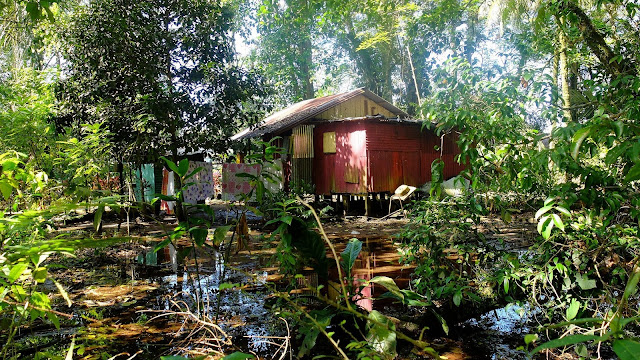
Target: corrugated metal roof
[(305, 110)]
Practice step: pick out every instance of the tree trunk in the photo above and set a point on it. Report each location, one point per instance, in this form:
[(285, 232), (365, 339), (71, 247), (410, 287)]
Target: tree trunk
[(595, 41), (564, 75)]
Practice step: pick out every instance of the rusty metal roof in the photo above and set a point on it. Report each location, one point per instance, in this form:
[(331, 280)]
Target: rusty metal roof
[(305, 110)]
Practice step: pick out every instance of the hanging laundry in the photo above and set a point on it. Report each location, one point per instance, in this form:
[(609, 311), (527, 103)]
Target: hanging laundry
[(232, 185), (145, 181), (168, 188), (202, 183)]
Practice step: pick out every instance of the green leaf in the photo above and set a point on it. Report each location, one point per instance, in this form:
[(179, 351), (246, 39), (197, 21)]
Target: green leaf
[(238, 356), (170, 164), (633, 173), (162, 244), (254, 210), (97, 217), (193, 173), (381, 334), (70, 351), (287, 219), (388, 284), (5, 189), (572, 310), (16, 271), (563, 210), (443, 322), (568, 340), (632, 285), (54, 319), (584, 282), (225, 286), (578, 138), (323, 319), (627, 349), (530, 338), (547, 229), (199, 235), (219, 234), (349, 254), (63, 293), (183, 167), (40, 274), (457, 296), (557, 221), (543, 210)]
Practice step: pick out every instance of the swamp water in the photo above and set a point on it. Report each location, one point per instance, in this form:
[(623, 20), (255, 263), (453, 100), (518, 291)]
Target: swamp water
[(243, 306)]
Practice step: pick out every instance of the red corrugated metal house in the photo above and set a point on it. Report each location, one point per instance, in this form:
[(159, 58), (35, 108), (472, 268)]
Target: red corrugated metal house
[(356, 143)]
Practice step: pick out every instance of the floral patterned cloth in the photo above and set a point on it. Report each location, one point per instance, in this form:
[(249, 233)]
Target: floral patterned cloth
[(232, 185), (203, 186)]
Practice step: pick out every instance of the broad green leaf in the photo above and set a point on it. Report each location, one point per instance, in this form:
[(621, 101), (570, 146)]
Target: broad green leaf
[(543, 210), (584, 282), (381, 334), (388, 284), (627, 349), (170, 164), (557, 221), (568, 340), (572, 310), (219, 234), (632, 284), (16, 271), (183, 167), (578, 138), (287, 219), (5, 189), (40, 274), (199, 235), (457, 296), (443, 322), (225, 286), (530, 338), (563, 210), (547, 229), (193, 173), (54, 319), (349, 254), (254, 210), (97, 217), (633, 174), (162, 244), (323, 318), (238, 356)]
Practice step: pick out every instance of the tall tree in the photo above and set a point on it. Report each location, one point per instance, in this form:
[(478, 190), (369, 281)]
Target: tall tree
[(159, 74)]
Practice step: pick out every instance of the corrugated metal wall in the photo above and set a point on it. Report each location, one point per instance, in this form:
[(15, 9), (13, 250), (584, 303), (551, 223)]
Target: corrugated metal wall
[(403, 153), (344, 171), (302, 154), (394, 154)]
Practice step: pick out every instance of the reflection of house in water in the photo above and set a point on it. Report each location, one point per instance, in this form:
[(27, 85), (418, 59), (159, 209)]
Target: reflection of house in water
[(355, 143)]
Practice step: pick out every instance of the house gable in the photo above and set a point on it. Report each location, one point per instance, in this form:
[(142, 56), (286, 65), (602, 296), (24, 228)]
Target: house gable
[(359, 106)]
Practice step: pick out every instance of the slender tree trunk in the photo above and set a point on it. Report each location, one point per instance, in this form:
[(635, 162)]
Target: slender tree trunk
[(564, 76), (595, 40), (556, 83)]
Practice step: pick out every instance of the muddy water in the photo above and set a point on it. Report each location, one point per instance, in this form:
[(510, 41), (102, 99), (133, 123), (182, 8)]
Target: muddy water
[(116, 320), (244, 315)]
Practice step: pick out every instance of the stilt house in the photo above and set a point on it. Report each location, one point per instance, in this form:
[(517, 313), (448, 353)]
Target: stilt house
[(355, 143)]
